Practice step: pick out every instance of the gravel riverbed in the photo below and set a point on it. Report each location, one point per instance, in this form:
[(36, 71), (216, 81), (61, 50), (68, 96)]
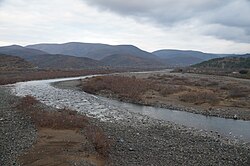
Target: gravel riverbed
[(17, 132), (136, 139), (147, 141)]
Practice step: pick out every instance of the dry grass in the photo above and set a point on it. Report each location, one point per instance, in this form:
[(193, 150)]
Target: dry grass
[(238, 92), (64, 119), (126, 87), (98, 139), (199, 97), (61, 119), (130, 88), (168, 88)]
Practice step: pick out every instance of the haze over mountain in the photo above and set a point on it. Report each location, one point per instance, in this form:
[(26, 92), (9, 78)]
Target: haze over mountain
[(185, 57), (20, 51), (86, 55), (42, 59), (108, 55), (91, 50), (57, 61), (120, 60)]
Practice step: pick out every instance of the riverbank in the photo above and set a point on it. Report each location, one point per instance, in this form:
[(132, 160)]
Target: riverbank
[(35, 134), (207, 95), (18, 133), (140, 140), (144, 141)]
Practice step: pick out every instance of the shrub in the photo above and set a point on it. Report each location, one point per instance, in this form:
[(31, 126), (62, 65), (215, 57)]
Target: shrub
[(130, 88), (243, 71), (27, 102), (98, 139), (61, 119), (64, 119), (237, 93), (199, 97)]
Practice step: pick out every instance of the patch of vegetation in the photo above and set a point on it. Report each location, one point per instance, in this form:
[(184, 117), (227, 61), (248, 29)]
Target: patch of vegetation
[(163, 88), (62, 119), (128, 88), (226, 63), (200, 97)]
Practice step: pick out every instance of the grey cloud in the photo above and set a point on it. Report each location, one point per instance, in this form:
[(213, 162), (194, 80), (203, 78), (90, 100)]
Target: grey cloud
[(163, 11), (228, 13), (229, 33)]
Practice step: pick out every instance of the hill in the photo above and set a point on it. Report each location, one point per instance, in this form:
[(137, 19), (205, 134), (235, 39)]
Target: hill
[(42, 59), (56, 61), (92, 50), (241, 62), (108, 55), (16, 50), (8, 62), (182, 61), (119, 61), (184, 57)]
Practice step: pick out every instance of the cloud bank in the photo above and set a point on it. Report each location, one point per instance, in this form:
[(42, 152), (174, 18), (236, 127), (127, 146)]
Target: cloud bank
[(205, 25), (227, 19)]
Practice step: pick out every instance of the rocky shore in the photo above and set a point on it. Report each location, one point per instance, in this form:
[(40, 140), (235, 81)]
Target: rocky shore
[(166, 144), (17, 131)]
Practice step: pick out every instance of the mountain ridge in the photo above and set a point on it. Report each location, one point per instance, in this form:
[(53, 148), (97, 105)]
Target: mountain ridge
[(95, 51)]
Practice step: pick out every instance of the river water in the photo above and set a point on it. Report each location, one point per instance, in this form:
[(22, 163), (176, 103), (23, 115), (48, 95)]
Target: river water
[(112, 110)]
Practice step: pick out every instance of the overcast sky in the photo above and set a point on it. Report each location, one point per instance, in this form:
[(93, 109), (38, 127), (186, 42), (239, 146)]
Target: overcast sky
[(219, 26)]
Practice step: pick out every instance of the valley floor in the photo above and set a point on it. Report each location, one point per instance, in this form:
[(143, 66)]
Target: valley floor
[(140, 142), (134, 140), (203, 94)]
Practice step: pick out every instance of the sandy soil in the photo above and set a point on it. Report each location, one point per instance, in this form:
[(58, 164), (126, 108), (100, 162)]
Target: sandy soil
[(60, 147)]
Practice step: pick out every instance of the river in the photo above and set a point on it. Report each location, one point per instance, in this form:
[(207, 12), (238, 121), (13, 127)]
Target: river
[(112, 110)]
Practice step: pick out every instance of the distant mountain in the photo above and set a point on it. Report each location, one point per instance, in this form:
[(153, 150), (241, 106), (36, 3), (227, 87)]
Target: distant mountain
[(56, 61), (45, 60), (185, 58), (20, 51), (118, 60), (243, 56), (76, 55), (182, 61), (92, 50), (8, 62), (233, 62), (168, 53)]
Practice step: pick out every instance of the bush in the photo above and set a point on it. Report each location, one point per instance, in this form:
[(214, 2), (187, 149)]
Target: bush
[(237, 93), (61, 119), (65, 119), (199, 97), (124, 86), (27, 102), (98, 139), (243, 71)]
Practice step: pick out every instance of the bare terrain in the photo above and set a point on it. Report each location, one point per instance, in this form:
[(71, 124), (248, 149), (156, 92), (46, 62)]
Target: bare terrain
[(100, 133), (205, 94)]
